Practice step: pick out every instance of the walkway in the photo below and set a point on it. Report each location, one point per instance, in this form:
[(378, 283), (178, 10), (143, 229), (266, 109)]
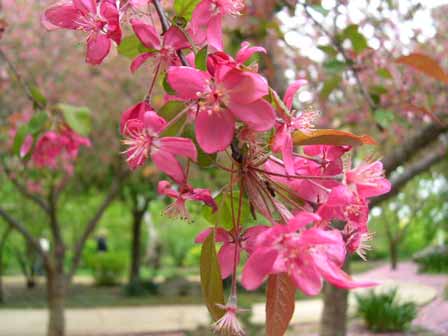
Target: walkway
[(138, 320)]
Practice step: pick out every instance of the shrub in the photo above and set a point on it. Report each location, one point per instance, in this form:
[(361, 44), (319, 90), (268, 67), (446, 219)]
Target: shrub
[(433, 259), (107, 268), (383, 313)]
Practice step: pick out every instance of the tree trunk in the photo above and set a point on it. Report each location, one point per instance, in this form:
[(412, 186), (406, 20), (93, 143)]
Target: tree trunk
[(3, 240), (134, 274), (56, 290), (334, 315), (393, 251)]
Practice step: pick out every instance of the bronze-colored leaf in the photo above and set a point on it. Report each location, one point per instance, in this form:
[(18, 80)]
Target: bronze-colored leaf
[(211, 281), (330, 137), (280, 302), (425, 64)]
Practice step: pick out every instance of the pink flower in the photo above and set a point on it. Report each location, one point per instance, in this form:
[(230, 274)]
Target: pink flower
[(100, 20), (226, 254), (369, 180), (206, 21), (185, 193), (55, 149), (244, 54), (230, 94), (308, 255), (165, 50), (141, 127), (345, 205), (283, 140), (228, 324)]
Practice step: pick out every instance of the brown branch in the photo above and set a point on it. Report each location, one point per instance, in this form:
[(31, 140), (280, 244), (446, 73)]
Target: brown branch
[(410, 172), (91, 225), (411, 147), (23, 85), (52, 214), (24, 232), (165, 26)]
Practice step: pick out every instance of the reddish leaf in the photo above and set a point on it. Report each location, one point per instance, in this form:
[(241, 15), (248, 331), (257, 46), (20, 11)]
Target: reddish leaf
[(330, 137), (425, 64), (280, 301), (211, 282)]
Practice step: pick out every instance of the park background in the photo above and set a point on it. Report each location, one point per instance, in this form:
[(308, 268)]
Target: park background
[(134, 270)]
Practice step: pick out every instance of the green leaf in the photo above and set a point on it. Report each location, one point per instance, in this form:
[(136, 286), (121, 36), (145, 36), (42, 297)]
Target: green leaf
[(38, 97), (185, 8), (77, 117), (329, 50), (167, 87), (211, 282), (329, 86), (377, 90), (335, 66), (384, 117), (223, 216), (320, 9), (21, 134), (201, 59), (131, 47), (169, 111), (358, 40), (37, 122), (384, 73)]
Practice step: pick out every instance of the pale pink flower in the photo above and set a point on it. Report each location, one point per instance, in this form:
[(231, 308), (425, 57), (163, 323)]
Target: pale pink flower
[(369, 180), (226, 254), (165, 50), (307, 254), (206, 21), (228, 325), (141, 128), (227, 95), (185, 193), (99, 19)]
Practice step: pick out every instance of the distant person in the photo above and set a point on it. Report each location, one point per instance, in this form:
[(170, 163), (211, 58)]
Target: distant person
[(101, 242)]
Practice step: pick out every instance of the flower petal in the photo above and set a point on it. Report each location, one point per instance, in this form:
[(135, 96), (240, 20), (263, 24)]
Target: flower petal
[(214, 33), (176, 39), (291, 91), (187, 81), (135, 112), (258, 266), (168, 164), (62, 16), (244, 87), (226, 258), (247, 51), (258, 115), (98, 46), (179, 146), (146, 33), (85, 6), (214, 131), (139, 60)]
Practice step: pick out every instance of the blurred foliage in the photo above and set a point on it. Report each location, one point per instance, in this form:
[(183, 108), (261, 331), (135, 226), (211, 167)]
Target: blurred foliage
[(107, 268), (433, 259), (382, 312)]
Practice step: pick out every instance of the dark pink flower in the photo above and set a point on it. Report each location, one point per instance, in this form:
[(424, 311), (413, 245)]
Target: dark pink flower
[(185, 193), (308, 255), (226, 254), (58, 149), (230, 94), (164, 50), (100, 20), (141, 127)]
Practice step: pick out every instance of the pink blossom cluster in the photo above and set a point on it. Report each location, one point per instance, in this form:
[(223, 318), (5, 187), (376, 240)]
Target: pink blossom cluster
[(315, 201)]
